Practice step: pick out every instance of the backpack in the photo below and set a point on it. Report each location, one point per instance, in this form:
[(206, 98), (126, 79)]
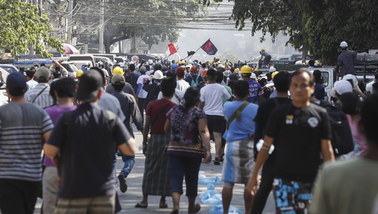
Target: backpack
[(194, 82), (342, 140)]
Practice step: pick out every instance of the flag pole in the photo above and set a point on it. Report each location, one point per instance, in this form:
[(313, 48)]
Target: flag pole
[(192, 54)]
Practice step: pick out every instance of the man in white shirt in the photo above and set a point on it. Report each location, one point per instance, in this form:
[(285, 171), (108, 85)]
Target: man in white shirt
[(212, 96), (182, 85)]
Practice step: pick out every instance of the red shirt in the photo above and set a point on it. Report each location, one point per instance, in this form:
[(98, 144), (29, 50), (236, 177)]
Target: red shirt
[(157, 111)]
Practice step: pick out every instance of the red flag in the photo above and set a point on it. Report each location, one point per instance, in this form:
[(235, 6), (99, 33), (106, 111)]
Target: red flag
[(172, 49)]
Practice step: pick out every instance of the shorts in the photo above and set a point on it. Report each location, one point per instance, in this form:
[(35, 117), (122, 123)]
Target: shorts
[(216, 123), (292, 197)]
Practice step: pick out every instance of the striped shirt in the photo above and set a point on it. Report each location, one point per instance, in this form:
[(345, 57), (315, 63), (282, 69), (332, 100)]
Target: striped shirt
[(21, 128), (44, 99)]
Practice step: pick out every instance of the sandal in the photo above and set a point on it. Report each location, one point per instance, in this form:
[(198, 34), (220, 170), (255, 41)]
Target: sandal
[(140, 205), (197, 207), (174, 212), (162, 206)]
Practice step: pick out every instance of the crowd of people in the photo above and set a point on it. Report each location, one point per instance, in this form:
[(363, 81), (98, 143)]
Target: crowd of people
[(283, 123)]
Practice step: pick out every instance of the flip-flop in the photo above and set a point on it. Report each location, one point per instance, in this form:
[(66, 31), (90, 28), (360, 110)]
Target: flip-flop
[(197, 207), (139, 205), (165, 205)]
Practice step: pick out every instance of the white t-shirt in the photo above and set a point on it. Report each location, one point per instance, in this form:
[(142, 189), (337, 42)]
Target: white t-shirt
[(177, 97), (212, 95), (369, 87), (182, 85), (141, 80)]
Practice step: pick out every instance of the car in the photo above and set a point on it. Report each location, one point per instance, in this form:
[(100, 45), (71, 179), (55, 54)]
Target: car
[(9, 68), (82, 57)]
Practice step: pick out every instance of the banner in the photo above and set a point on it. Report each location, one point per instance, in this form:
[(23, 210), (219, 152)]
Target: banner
[(209, 47), (172, 49)]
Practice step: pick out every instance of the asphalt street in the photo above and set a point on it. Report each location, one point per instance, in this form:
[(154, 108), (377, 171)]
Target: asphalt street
[(134, 192)]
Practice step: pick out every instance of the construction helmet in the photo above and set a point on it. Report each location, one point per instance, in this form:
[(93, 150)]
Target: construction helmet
[(245, 69), (118, 70), (274, 74), (79, 73)]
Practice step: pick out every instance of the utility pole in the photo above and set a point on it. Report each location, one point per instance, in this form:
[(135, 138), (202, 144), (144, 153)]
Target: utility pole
[(101, 29), (69, 22)]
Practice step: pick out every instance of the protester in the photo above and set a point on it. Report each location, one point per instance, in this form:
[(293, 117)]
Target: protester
[(189, 140), (152, 87), (128, 88), (319, 92), (93, 157), (281, 83), (155, 176), (64, 93), (350, 186), (290, 126), (182, 85), (24, 128), (31, 83), (39, 95), (345, 60), (239, 147), (132, 77), (255, 90), (130, 109), (212, 96), (142, 94)]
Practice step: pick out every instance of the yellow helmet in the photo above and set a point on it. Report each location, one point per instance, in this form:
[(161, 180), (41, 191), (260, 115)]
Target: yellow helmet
[(79, 73), (245, 69), (236, 70), (118, 70), (274, 74)]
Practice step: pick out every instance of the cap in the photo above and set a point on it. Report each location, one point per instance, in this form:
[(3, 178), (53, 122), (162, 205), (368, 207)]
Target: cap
[(118, 79), (90, 82), (194, 69), (343, 86), (16, 80), (343, 44), (158, 75), (180, 71), (42, 72), (253, 76)]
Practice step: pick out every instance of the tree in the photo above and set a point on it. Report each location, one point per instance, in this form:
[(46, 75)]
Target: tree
[(152, 20), (22, 29), (317, 26)]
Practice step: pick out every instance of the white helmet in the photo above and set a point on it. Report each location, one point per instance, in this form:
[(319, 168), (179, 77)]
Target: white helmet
[(343, 44)]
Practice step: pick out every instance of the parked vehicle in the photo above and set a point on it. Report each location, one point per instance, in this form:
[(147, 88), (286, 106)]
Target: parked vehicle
[(82, 57), (9, 68)]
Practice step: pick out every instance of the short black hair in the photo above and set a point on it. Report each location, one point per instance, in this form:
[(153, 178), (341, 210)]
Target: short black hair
[(157, 67), (311, 62), (118, 86), (132, 67), (317, 76), (17, 92), (301, 71), (30, 73), (99, 70), (191, 97), (168, 86), (220, 76), (212, 74), (241, 89), (281, 81), (369, 118), (65, 87)]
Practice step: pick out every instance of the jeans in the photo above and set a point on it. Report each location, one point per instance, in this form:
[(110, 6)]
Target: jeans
[(129, 165), (178, 167)]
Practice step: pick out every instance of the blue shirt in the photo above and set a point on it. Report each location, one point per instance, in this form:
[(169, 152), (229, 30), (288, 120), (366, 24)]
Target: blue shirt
[(254, 91), (240, 130)]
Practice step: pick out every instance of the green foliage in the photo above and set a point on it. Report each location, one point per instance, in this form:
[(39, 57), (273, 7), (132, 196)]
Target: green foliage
[(151, 20), (23, 29), (317, 26)]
